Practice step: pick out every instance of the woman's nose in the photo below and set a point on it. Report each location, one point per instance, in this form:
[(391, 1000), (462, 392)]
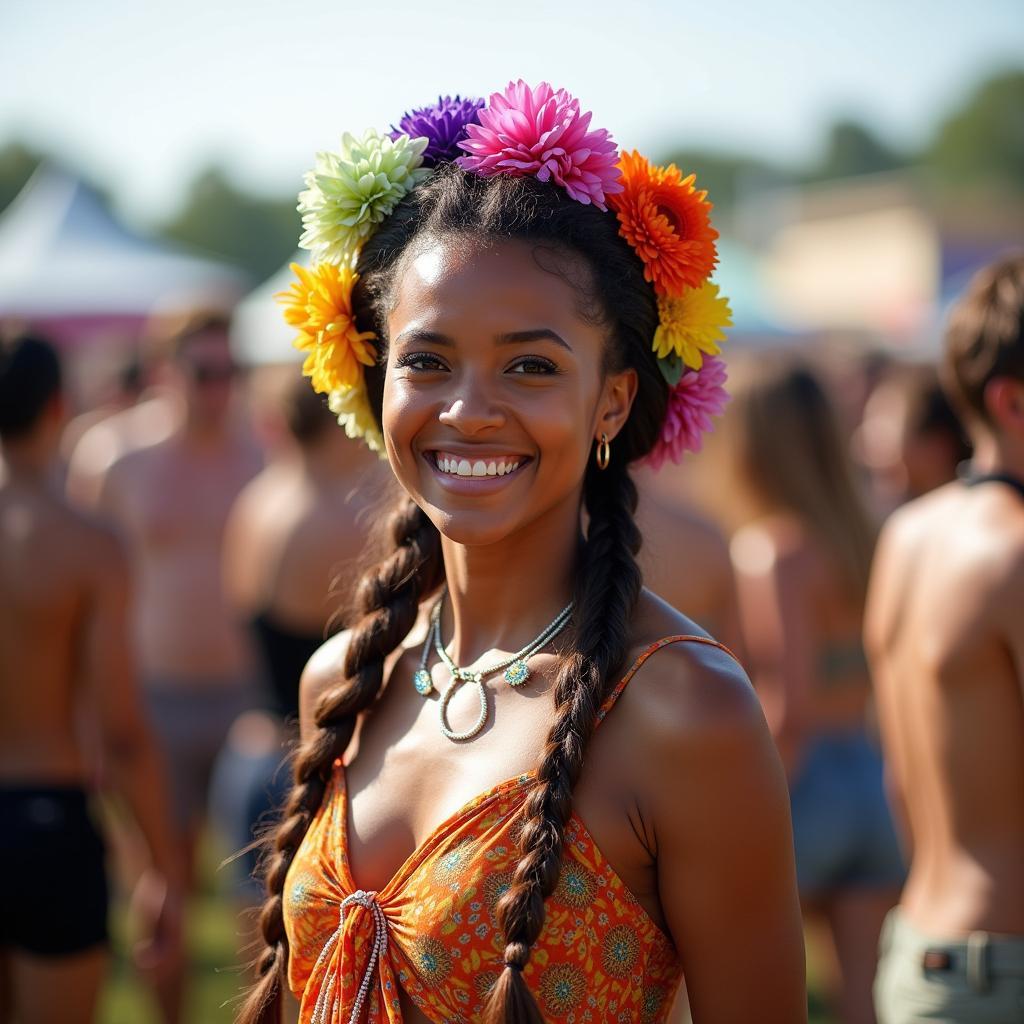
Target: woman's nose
[(472, 411)]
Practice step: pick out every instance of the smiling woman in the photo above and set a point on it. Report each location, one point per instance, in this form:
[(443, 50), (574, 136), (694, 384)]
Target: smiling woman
[(509, 345)]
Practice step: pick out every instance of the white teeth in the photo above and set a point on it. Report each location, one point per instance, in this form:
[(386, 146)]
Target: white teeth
[(463, 467)]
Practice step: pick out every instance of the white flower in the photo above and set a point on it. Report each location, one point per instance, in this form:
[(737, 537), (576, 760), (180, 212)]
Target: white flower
[(352, 407), (349, 193)]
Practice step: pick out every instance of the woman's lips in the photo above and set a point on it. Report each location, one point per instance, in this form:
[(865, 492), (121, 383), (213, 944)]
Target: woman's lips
[(465, 474)]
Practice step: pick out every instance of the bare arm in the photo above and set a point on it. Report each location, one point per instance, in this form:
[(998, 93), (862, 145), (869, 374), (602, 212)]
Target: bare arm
[(129, 750), (726, 873), (776, 617)]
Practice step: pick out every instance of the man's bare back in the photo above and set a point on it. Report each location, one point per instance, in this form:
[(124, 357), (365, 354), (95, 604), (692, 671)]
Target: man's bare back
[(945, 632), (55, 566)]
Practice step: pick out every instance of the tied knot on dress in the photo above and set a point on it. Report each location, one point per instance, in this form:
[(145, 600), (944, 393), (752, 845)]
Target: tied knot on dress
[(327, 1004)]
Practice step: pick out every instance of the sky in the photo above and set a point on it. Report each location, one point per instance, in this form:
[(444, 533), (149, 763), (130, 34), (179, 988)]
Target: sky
[(142, 95)]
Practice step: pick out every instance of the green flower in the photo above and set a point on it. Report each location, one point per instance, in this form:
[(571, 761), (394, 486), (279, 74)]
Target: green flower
[(352, 408), (349, 193)]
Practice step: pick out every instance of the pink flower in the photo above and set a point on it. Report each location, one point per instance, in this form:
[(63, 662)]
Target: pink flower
[(542, 132), (699, 395)]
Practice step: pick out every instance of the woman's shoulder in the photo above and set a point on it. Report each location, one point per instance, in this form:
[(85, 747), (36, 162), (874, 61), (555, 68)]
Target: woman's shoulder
[(682, 678), (690, 712), (781, 547), (326, 667)]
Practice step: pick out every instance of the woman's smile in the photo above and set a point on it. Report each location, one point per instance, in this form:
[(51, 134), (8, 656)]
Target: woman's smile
[(466, 472)]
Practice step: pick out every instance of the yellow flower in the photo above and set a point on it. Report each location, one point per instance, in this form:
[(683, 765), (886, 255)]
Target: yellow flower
[(319, 304), (692, 324), (352, 408)]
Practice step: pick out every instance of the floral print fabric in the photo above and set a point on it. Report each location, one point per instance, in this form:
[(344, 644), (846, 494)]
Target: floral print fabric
[(432, 929)]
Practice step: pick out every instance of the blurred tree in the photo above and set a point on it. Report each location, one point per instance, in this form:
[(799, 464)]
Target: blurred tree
[(255, 233), (727, 176), (982, 144), (17, 162), (851, 148)]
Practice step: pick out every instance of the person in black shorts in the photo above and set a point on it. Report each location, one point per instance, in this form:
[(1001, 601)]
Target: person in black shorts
[(65, 673)]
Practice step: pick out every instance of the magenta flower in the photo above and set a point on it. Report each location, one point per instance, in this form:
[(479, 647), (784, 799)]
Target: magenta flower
[(699, 395), (542, 132)]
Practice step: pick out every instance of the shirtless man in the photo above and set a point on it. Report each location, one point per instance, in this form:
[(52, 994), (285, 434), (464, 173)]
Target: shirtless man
[(65, 670), (93, 450), (172, 499), (945, 635)]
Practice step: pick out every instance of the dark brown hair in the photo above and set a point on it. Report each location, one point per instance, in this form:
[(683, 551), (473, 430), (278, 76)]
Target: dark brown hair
[(608, 580), (784, 439), (985, 336)]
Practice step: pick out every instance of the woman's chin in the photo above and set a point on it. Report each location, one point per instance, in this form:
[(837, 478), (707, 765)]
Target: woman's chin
[(476, 528)]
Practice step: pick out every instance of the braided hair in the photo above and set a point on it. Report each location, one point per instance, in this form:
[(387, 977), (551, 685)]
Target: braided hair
[(608, 579)]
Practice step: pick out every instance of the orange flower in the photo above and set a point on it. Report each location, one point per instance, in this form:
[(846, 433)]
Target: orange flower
[(667, 221)]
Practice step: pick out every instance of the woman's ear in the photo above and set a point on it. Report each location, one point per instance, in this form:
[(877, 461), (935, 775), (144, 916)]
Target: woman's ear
[(617, 398)]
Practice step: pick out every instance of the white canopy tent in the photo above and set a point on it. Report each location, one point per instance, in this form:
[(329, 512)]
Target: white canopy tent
[(65, 258), (259, 334)]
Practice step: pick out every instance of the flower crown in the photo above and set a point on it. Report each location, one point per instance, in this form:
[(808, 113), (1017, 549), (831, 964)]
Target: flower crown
[(521, 131)]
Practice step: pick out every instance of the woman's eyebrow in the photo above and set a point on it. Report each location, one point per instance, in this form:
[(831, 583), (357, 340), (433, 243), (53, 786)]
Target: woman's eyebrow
[(418, 336), (538, 334)]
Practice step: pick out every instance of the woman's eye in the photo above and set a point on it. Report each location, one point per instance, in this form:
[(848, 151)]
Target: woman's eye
[(421, 361), (533, 365)]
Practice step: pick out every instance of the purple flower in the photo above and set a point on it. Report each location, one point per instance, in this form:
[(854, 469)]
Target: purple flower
[(699, 395), (443, 125), (542, 132)]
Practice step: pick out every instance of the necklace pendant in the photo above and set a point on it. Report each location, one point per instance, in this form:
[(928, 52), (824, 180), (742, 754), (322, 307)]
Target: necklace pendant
[(517, 673), (442, 709), (423, 683)]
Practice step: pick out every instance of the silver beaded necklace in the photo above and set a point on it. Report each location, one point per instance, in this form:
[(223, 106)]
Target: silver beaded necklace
[(515, 668)]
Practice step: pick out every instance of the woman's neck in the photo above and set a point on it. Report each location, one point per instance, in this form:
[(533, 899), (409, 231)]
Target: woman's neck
[(500, 597)]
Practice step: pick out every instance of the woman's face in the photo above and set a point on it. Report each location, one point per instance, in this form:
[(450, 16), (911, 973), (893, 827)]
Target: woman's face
[(494, 391)]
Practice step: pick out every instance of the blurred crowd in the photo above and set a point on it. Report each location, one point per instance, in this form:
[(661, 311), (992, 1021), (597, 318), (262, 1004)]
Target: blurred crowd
[(171, 557)]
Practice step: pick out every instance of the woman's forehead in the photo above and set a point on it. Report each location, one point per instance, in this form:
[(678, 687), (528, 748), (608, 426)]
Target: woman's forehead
[(512, 283)]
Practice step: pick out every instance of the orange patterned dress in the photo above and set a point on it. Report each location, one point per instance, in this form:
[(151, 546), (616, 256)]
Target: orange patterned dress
[(432, 928)]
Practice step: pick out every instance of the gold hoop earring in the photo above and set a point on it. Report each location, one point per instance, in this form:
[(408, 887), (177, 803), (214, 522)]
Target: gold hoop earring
[(604, 452)]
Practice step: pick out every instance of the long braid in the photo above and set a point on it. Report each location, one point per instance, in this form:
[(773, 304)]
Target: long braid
[(388, 599), (607, 588)]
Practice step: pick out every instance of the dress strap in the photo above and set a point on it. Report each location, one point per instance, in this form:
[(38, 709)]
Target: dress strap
[(612, 697)]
